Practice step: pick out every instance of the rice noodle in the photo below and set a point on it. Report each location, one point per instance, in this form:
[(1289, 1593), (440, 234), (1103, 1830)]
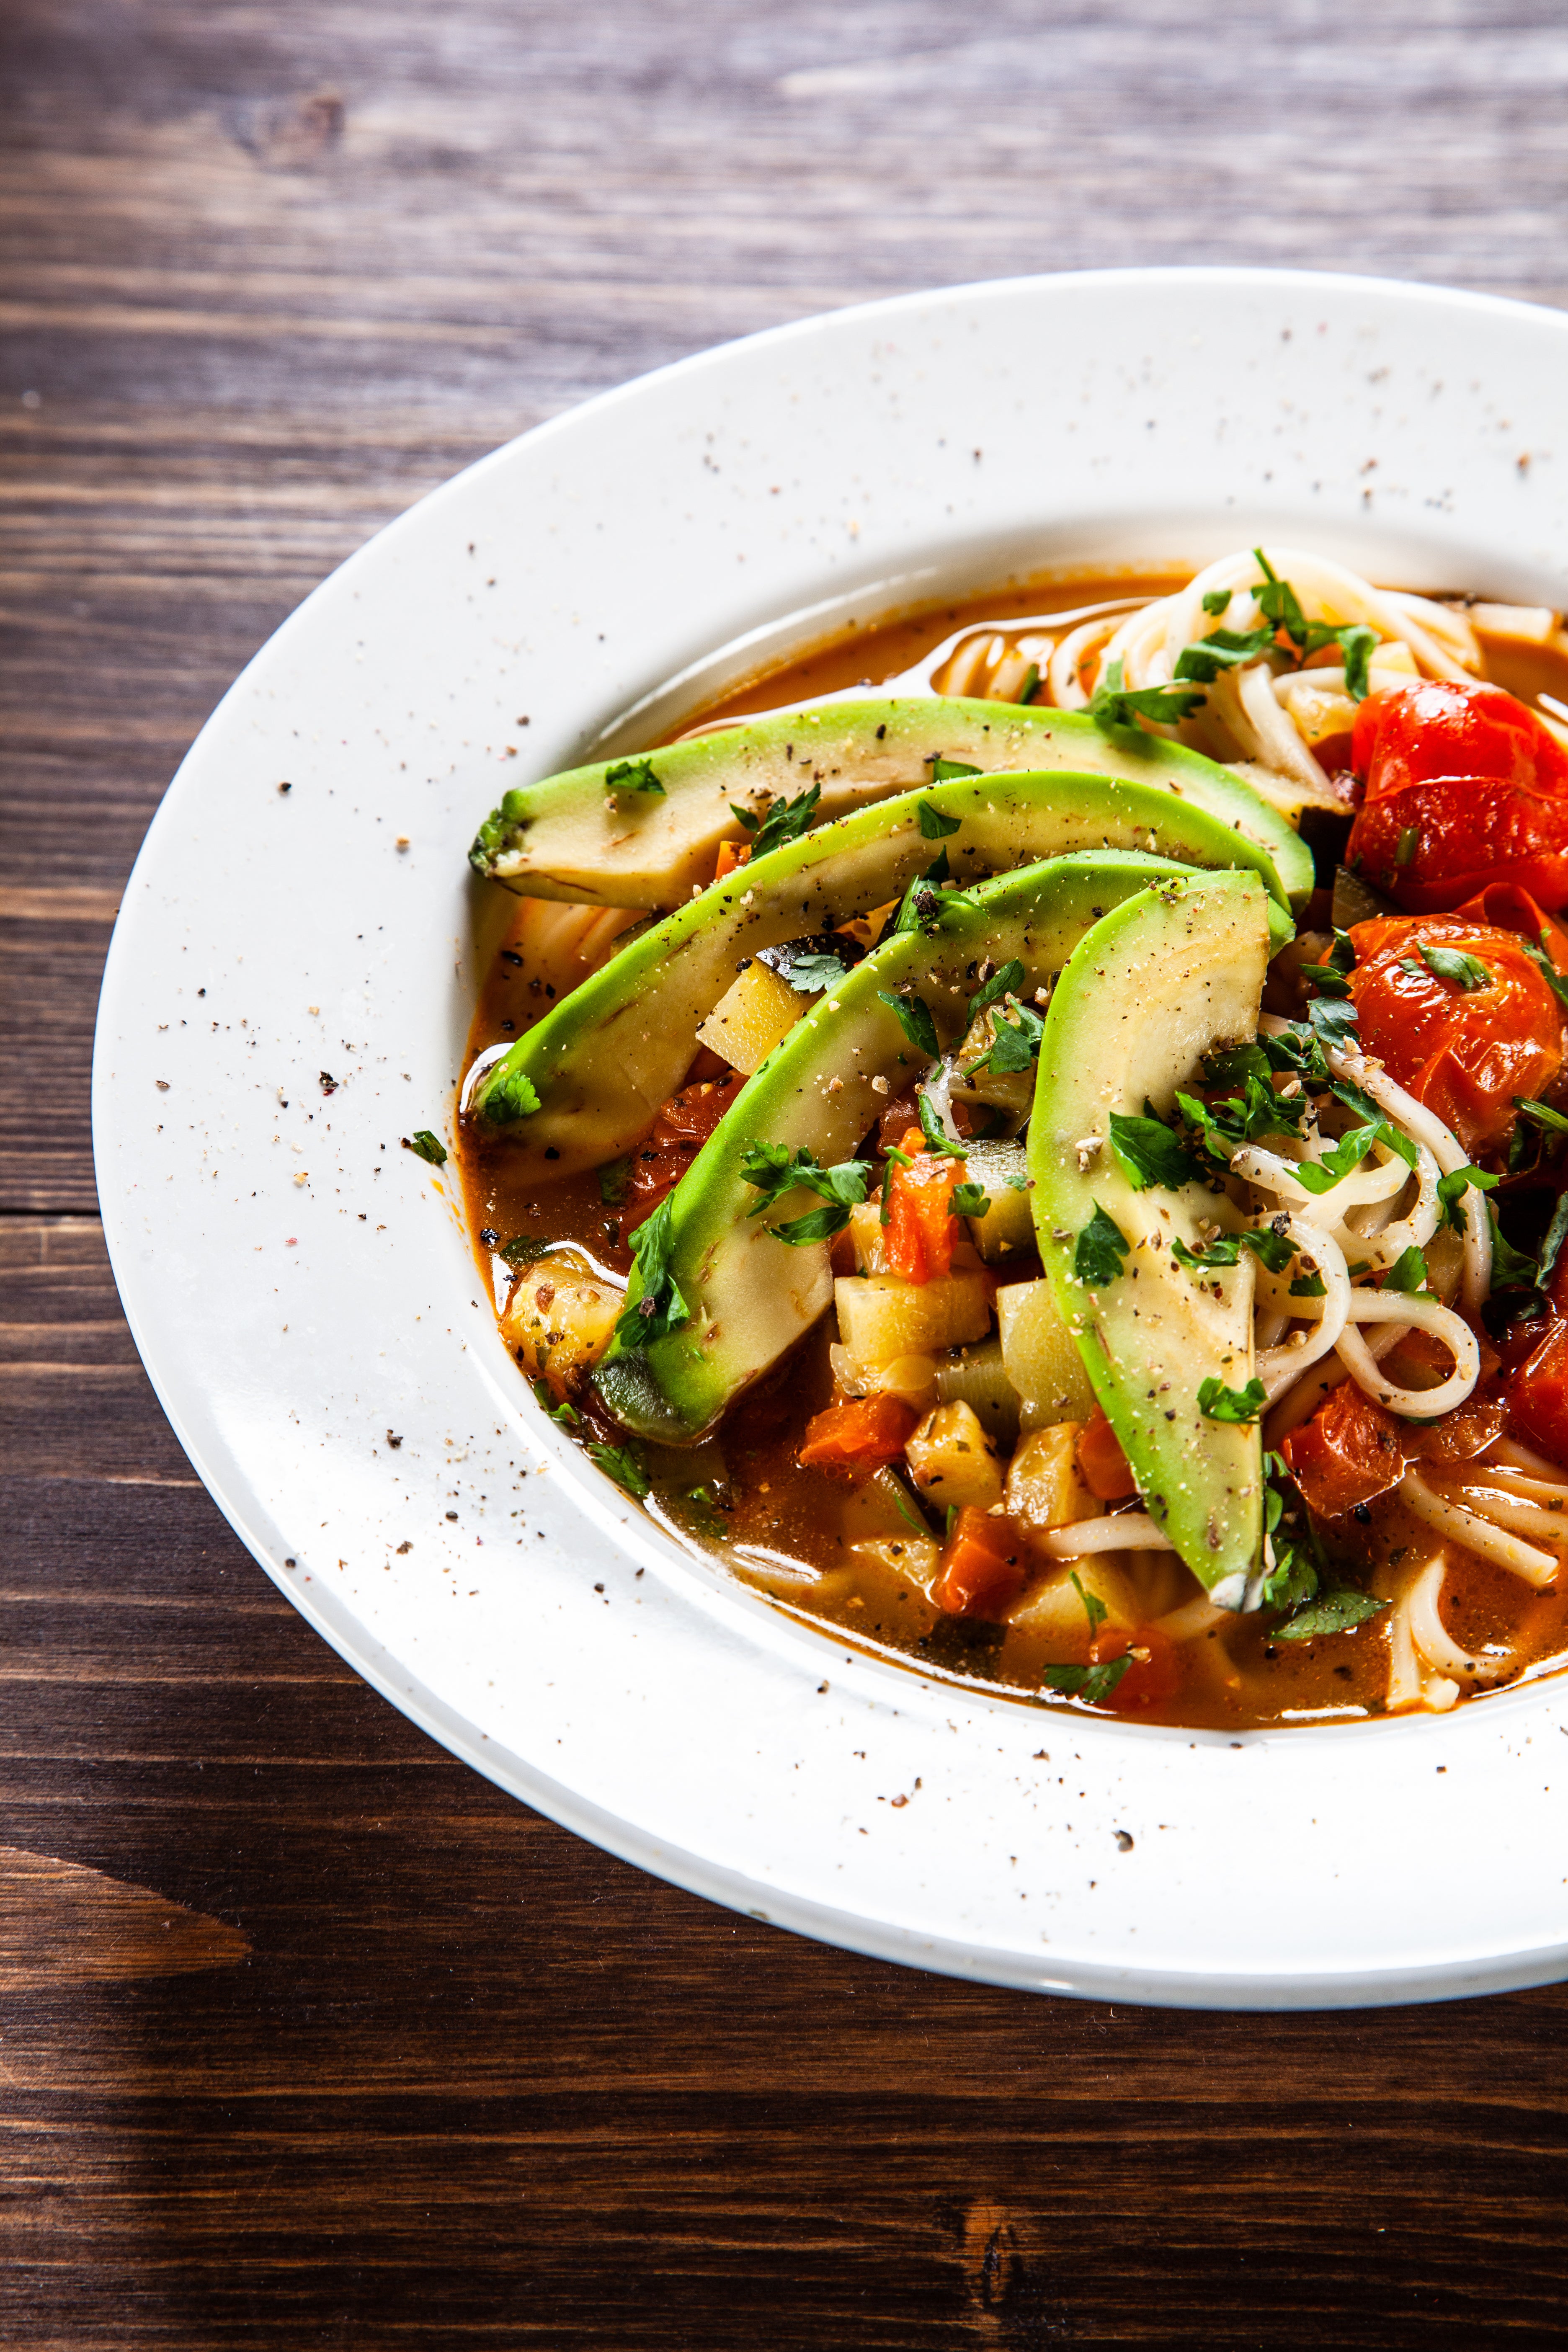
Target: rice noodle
[(1279, 1367), (1476, 1534), (1523, 1457), (1410, 1683), (1278, 738), (1122, 1531), (1193, 1619), (1062, 680), (1422, 1314), (1431, 1637), (1325, 589)]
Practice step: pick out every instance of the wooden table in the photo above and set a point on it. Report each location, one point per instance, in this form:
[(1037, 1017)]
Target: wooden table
[(310, 2038)]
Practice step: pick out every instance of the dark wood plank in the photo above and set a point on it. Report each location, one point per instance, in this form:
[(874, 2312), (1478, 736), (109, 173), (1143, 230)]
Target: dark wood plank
[(436, 2073)]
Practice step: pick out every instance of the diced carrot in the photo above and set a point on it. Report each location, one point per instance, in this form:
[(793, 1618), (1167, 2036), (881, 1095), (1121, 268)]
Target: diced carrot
[(1107, 1472), (984, 1567), (1154, 1676), (730, 855), (858, 1437), (921, 1230), (1349, 1452)]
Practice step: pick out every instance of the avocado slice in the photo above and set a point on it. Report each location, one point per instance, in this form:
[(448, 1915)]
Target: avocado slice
[(601, 1062), (646, 831), (1168, 976), (749, 1295)]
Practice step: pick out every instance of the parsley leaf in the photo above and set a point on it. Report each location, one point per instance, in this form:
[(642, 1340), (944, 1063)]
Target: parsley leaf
[(1309, 1285), (1031, 683), (1449, 963), (1217, 600), (1216, 1402), (895, 1159), (1148, 1153), (970, 1200), (931, 1127), (1222, 650), (1115, 706), (786, 821), (915, 1020), (775, 1171), (703, 1511), (813, 974), (660, 1309), (1512, 1269), (1408, 1272), (1357, 644), (1279, 603), (1015, 1041), (945, 771), (510, 1095), (633, 776), (1554, 979), (620, 1463), (1556, 1233), (1006, 983), (1451, 1187), (934, 827), (1094, 1608), (1274, 1250), (1102, 1248), (426, 1146), (1339, 1612), (566, 1412), (526, 1249), (1093, 1685)]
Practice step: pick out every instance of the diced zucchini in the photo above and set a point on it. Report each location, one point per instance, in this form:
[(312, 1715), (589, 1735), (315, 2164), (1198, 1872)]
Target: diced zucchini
[(1041, 1357)]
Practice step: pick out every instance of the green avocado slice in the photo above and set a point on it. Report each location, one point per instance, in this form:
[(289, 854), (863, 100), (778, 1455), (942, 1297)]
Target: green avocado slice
[(1168, 976), (599, 1065), (646, 831), (749, 1295)]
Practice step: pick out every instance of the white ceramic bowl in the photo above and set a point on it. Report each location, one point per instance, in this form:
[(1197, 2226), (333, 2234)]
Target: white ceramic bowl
[(299, 1287)]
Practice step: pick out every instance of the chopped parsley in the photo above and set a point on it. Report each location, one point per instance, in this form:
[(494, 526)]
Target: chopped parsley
[(1102, 1248), (970, 1200), (1093, 1685), (936, 1135), (1114, 705), (1449, 963), (1408, 1272), (786, 821), (1454, 1185), (1218, 1402), (1006, 983), (660, 1308), (621, 1464), (1338, 1611), (914, 1015), (934, 827), (426, 1146), (1274, 1250), (526, 1249), (1553, 978), (1094, 1608), (633, 776), (510, 1094), (946, 772), (566, 1412), (1542, 1114), (1016, 1034), (1147, 1152), (775, 1171), (813, 974)]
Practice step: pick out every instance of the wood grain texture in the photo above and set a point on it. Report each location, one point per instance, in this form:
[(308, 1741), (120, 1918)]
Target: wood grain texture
[(440, 2074)]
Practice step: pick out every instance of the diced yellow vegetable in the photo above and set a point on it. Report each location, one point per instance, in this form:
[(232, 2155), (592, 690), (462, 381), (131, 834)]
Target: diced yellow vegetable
[(1054, 1610), (913, 1378), (952, 1459), (1007, 1228), (911, 1555), (867, 1233), (558, 1324), (880, 1317), (751, 1017), (1044, 1489), (977, 1376), (1041, 1357)]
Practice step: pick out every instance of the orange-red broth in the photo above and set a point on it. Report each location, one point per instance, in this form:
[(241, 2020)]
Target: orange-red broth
[(788, 1531)]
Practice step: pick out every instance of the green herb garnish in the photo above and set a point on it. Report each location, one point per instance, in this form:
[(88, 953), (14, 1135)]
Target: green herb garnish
[(633, 776), (1339, 1612), (931, 1127), (1114, 705), (934, 827), (619, 1463), (1094, 1608), (1218, 1402), (970, 1200), (1100, 1249), (1147, 1152), (1408, 1272), (1093, 1685), (774, 1171), (1006, 983), (426, 1146), (659, 1309), (914, 1015), (1449, 963), (946, 772)]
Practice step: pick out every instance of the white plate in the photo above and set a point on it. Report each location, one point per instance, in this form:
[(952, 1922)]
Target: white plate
[(538, 1626)]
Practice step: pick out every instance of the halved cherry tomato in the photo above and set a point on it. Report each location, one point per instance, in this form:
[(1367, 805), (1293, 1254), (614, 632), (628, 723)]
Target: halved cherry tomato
[(1154, 1676), (984, 1567), (920, 1233), (1463, 786), (1106, 1471), (681, 1127), (858, 1437), (1466, 1052), (1537, 1389), (1349, 1452), (1506, 907)]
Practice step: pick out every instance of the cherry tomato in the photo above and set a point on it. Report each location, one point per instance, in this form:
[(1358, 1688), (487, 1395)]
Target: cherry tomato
[(1537, 1390), (1349, 1452), (1154, 1676), (678, 1132), (1105, 1469), (1464, 786), (1464, 1051)]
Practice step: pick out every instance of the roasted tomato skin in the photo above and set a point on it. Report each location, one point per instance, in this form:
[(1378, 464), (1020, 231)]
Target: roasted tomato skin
[(1537, 1392), (1464, 1054), (1463, 786), (1348, 1454)]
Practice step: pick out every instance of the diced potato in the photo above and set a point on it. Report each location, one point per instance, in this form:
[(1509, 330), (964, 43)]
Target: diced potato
[(952, 1459), (913, 1378), (880, 1317), (1009, 1225), (1520, 625), (559, 1325), (911, 1555), (1055, 1610), (751, 1017), (1041, 1357), (1045, 1488), (867, 1233), (976, 1376)]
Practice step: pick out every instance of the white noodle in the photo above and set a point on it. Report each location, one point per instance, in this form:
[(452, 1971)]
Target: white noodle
[(1122, 1531), (1278, 738), (1523, 1457), (1280, 1368), (1506, 1510), (1139, 644), (1431, 1637), (1476, 1534), (1193, 1619), (1423, 1314), (1062, 672)]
